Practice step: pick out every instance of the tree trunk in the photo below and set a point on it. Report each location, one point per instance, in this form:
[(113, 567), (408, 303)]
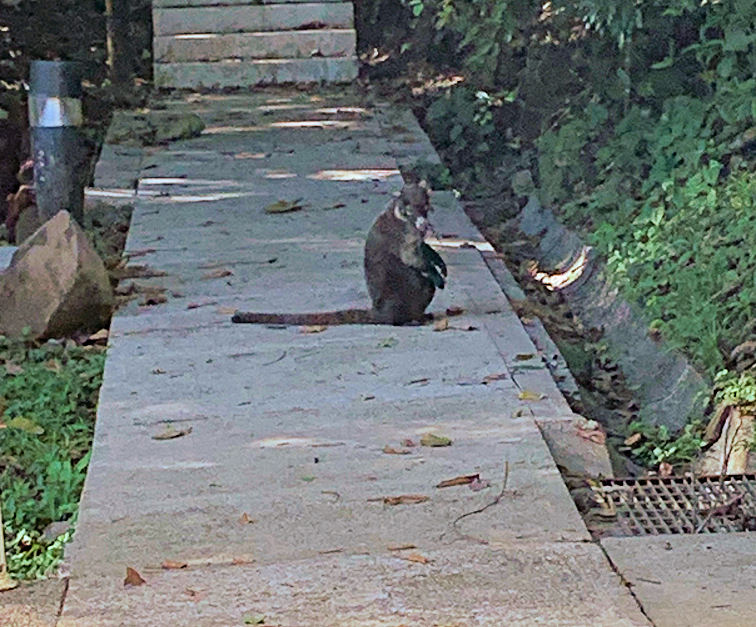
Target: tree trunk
[(120, 52)]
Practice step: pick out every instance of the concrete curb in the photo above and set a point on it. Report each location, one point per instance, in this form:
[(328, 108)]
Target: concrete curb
[(668, 387), (572, 452)]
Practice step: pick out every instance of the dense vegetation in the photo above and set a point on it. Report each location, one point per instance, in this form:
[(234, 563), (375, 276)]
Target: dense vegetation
[(638, 120)]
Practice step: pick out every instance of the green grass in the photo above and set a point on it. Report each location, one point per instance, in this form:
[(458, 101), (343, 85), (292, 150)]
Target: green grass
[(48, 396)]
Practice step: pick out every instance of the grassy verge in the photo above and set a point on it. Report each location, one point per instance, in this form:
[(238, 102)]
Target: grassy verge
[(48, 400), (48, 396)]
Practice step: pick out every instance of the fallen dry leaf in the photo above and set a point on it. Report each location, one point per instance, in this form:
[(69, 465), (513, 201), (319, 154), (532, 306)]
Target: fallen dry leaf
[(13, 369), (192, 593), (596, 435), (246, 519), (401, 547), (460, 480), (666, 469), (285, 206), (454, 311), (415, 557), (336, 496), (226, 311), (338, 205), (633, 439), (25, 424), (405, 499), (173, 565), (100, 336), (170, 432), (139, 253), (442, 324), (6, 583), (389, 450), (313, 328), (133, 578), (408, 442), (153, 299), (125, 289), (136, 272), (330, 551), (219, 273), (420, 381), (476, 485), (467, 327), (530, 395), (205, 304), (490, 378), (240, 561), (431, 439), (524, 356), (158, 371), (254, 619)]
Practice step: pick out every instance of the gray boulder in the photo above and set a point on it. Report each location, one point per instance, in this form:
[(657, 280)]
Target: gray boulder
[(56, 283)]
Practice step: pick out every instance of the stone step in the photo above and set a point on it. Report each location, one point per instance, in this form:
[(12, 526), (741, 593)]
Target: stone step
[(222, 74), (252, 18), (225, 3), (265, 45)]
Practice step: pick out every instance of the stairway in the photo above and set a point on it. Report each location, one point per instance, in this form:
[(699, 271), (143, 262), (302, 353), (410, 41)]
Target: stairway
[(217, 44)]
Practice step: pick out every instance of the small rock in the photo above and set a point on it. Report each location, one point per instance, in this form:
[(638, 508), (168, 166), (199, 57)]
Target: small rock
[(56, 283), (55, 529)]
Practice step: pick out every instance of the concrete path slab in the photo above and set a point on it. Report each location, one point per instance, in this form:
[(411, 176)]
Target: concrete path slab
[(274, 495), (520, 585), (698, 580)]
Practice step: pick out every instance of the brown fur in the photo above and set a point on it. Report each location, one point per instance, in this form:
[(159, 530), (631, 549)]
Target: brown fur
[(394, 271), (345, 316)]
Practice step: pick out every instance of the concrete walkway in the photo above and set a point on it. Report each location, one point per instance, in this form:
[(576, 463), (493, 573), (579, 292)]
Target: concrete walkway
[(274, 500)]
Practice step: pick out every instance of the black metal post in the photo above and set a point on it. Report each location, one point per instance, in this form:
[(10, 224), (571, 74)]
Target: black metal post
[(54, 116)]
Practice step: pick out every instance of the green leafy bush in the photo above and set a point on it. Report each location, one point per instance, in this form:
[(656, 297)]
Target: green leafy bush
[(665, 185), (658, 445)]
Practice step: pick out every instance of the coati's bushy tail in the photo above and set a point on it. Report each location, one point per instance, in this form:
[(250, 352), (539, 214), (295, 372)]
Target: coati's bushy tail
[(344, 316)]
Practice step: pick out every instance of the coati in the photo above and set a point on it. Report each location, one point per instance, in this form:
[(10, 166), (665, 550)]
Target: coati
[(401, 271)]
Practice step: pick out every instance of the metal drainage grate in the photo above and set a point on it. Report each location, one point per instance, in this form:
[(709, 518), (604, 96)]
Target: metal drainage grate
[(654, 505)]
